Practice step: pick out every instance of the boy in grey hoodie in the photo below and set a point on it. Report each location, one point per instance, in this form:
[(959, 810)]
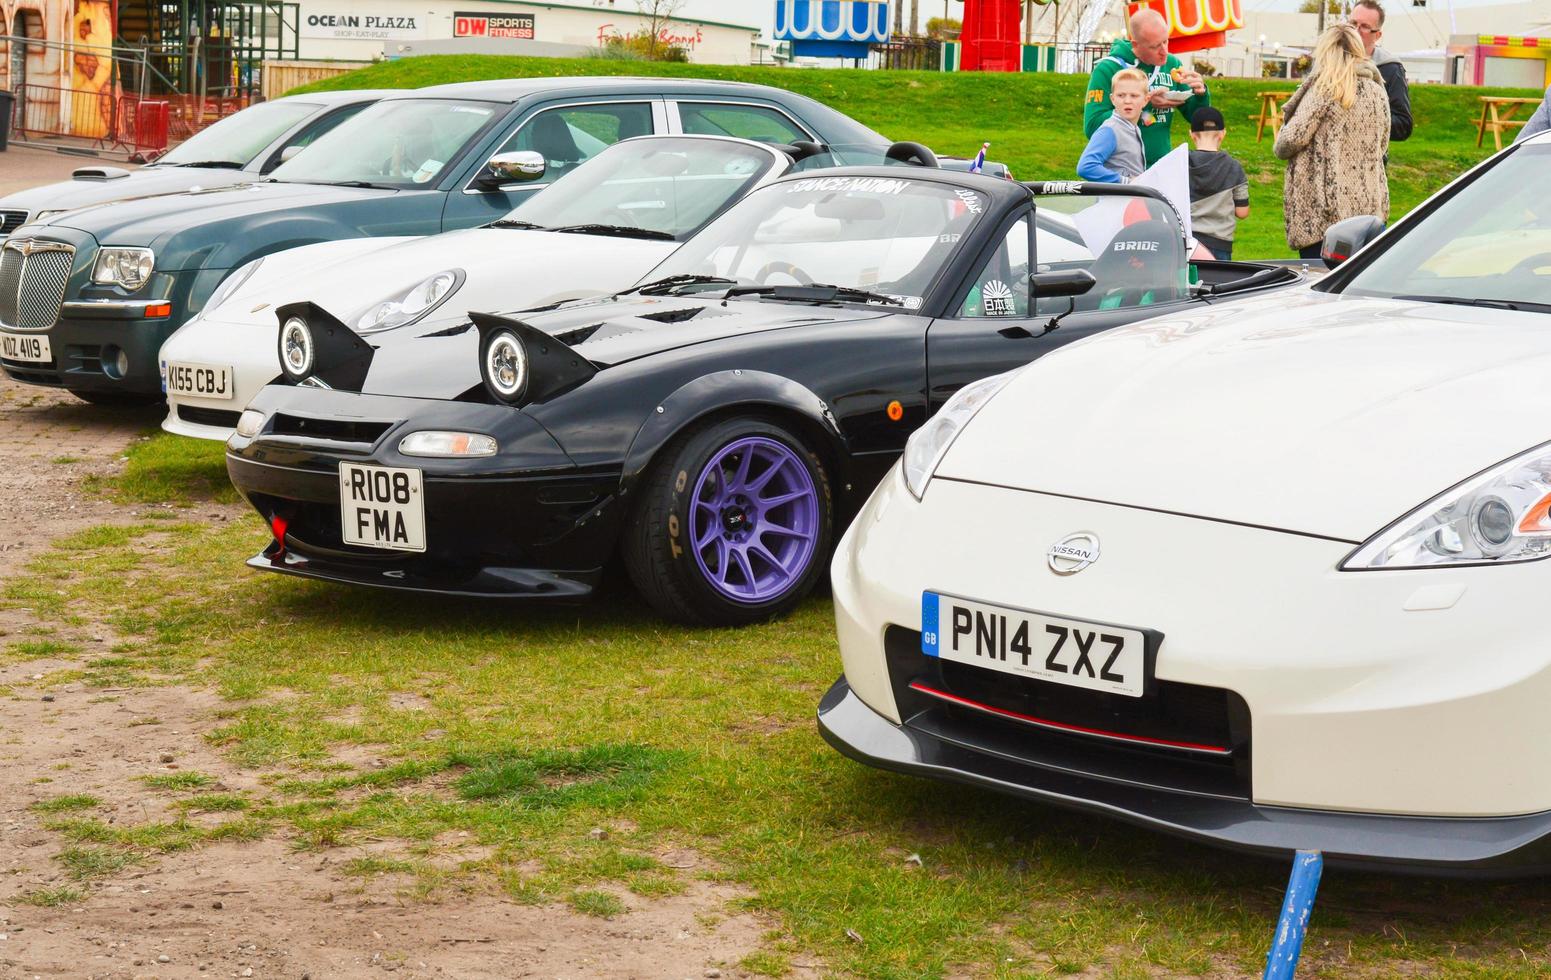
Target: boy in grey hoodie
[(1115, 154)]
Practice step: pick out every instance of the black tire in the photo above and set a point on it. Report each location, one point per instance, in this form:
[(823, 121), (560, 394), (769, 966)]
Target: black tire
[(118, 399), (657, 550)]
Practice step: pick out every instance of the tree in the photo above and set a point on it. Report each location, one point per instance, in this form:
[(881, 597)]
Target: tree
[(1312, 7), (658, 14), (943, 28), (915, 18)]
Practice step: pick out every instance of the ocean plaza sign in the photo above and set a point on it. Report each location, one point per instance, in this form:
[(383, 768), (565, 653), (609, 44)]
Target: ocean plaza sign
[(357, 22)]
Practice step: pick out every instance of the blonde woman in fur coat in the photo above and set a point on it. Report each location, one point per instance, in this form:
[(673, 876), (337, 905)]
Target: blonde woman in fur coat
[(1334, 141)]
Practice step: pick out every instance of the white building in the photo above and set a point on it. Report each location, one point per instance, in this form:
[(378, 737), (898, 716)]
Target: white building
[(364, 29)]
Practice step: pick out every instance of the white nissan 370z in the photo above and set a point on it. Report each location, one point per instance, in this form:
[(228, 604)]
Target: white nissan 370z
[(1270, 575)]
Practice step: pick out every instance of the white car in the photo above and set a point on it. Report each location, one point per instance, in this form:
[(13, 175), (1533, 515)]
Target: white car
[(592, 232), (1268, 574)]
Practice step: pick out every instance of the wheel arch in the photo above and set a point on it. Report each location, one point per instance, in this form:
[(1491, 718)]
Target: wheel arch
[(727, 394)]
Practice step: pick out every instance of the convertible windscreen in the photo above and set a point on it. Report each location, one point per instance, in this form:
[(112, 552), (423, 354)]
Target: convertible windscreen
[(1488, 245), (669, 186), (887, 235), (238, 138), (400, 143)]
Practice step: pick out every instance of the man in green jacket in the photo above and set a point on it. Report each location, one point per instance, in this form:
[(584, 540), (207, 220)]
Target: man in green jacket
[(1148, 50)]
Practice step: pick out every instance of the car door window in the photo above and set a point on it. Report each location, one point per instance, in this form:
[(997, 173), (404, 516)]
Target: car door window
[(751, 122), (310, 133), (1132, 245), (570, 136), (1001, 288)]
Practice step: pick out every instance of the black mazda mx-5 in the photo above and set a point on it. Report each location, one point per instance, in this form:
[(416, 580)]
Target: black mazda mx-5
[(711, 427)]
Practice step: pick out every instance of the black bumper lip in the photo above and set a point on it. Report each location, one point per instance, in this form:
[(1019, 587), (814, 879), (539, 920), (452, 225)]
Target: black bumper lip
[(1487, 847), (482, 583)]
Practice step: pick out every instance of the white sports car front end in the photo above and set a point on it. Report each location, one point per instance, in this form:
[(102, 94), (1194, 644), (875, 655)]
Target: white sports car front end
[(595, 231), (1268, 576)]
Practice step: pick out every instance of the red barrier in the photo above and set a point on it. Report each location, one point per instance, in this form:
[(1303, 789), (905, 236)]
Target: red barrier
[(990, 36)]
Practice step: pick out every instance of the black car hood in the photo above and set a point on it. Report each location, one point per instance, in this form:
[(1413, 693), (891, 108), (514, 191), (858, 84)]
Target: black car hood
[(441, 361)]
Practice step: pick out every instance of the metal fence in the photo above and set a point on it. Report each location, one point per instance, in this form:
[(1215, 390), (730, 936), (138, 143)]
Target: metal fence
[(133, 108)]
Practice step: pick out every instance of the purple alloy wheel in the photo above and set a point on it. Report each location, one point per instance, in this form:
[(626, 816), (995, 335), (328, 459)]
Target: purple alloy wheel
[(754, 519)]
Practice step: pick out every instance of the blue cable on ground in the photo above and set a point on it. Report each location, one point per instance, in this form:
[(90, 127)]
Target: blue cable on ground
[(1297, 906)]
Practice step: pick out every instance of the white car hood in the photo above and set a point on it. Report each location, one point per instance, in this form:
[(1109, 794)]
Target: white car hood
[(1299, 411), (507, 269)]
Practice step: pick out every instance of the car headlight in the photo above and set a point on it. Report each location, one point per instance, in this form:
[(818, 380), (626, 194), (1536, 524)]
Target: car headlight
[(505, 365), (296, 348), (447, 444), (127, 267), (249, 423), (232, 283), (1500, 516), (927, 445), (411, 304)]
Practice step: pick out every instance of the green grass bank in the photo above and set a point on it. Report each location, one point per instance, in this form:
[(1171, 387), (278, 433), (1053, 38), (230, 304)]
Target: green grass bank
[(1034, 122)]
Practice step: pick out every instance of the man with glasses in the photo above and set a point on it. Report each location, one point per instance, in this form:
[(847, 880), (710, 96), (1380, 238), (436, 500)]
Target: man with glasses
[(1368, 17)]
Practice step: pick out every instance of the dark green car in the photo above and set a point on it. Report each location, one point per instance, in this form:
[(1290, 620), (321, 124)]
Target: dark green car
[(87, 297)]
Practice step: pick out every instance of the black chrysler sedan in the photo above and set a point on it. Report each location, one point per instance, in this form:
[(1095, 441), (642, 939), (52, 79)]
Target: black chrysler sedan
[(87, 297), (711, 427)]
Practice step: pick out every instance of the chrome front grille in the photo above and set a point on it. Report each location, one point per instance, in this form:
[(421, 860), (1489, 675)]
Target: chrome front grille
[(10, 221), (33, 274)]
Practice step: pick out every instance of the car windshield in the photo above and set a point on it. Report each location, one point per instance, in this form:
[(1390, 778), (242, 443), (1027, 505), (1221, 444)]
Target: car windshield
[(398, 143), (239, 137), (888, 235), (1489, 244), (671, 185)]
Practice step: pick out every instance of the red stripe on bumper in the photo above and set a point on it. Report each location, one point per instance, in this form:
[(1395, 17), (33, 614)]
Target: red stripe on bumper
[(1064, 727)]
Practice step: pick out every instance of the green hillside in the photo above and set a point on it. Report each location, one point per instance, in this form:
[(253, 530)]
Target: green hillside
[(1034, 122)]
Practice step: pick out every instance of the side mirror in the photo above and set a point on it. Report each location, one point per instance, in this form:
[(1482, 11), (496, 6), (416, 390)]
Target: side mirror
[(1345, 238), (1069, 282), (522, 167), (289, 153)]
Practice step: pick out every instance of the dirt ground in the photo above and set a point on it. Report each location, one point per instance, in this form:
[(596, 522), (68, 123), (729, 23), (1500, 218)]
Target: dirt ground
[(257, 909)]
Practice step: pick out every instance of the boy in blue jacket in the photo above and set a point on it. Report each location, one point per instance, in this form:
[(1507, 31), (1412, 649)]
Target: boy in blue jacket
[(1115, 154)]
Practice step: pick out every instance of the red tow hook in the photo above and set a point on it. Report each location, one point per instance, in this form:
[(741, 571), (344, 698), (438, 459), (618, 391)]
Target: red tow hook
[(278, 525)]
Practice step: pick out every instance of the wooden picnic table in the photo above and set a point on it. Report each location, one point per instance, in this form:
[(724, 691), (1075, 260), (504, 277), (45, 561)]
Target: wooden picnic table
[(1497, 114), (1270, 112)]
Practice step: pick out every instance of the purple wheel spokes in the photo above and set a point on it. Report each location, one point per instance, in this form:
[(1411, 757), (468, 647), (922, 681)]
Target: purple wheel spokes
[(754, 519)]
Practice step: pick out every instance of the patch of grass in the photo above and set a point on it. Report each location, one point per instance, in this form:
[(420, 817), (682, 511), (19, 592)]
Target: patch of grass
[(138, 722), (85, 863), (169, 469), (178, 781), (64, 460), (595, 903), (36, 649), (50, 898), (371, 867), (549, 779), (1034, 120), (66, 804), (213, 803)]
